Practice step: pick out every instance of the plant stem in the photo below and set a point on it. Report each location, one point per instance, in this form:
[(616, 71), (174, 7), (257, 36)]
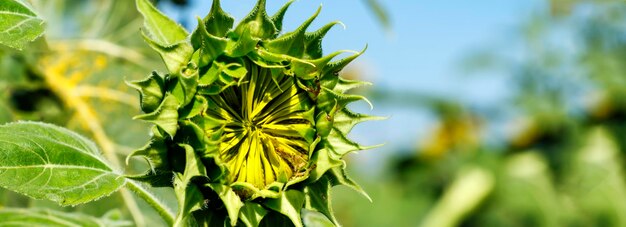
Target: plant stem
[(155, 203)]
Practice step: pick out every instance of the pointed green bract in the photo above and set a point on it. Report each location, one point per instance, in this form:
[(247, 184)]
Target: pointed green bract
[(150, 91), (313, 41), (289, 204), (165, 36), (317, 198), (165, 117), (218, 22), (189, 196), (254, 125), (252, 214), (185, 87), (277, 18), (175, 56), (161, 28), (231, 201), (210, 46), (259, 24), (292, 43), (155, 154)]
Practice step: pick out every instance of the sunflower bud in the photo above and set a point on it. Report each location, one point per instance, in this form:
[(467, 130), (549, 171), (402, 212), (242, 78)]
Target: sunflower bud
[(251, 125)]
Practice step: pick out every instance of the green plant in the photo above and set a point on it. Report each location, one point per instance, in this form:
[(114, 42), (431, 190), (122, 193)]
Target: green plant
[(250, 125)]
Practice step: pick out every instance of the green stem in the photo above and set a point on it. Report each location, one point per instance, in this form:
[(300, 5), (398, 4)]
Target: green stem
[(155, 203)]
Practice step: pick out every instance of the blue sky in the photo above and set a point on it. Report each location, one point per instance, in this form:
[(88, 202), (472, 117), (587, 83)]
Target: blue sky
[(421, 53)]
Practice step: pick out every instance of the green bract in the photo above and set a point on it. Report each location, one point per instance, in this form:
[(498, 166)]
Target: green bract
[(250, 124)]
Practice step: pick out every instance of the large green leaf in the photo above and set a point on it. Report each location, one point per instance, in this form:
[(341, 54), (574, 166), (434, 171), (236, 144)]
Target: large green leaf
[(19, 24), (40, 217), (44, 161)]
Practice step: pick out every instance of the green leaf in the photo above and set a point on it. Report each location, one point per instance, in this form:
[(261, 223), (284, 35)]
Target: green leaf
[(218, 22), (278, 16), (317, 219), (44, 161), (289, 204), (257, 23), (275, 219), (292, 43), (161, 28), (312, 68), (327, 99), (313, 41), (233, 68), (189, 196), (189, 199), (165, 36), (41, 217), (252, 214), (155, 153), (344, 120), (165, 117), (210, 46), (243, 46), (317, 198), (340, 144), (185, 87), (344, 85), (231, 200), (337, 176), (323, 163), (19, 24), (198, 105), (175, 56), (150, 91), (334, 67)]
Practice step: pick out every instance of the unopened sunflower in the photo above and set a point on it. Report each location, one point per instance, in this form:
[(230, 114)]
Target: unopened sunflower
[(250, 124)]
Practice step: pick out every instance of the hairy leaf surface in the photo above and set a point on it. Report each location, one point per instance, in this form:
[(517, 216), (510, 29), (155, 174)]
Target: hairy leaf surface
[(40, 217), (44, 161), (19, 24)]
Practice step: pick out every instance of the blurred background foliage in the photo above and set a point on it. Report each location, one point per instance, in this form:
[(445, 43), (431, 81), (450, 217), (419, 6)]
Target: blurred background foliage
[(551, 154)]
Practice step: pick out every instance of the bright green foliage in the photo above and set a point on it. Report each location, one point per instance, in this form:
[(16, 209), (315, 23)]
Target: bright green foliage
[(51, 218), (44, 161), (19, 24), (251, 123)]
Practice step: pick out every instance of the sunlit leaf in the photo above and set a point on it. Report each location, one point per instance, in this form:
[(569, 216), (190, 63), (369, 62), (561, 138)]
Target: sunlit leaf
[(252, 214), (165, 116), (160, 28), (317, 198), (289, 204), (40, 217), (44, 161), (19, 24)]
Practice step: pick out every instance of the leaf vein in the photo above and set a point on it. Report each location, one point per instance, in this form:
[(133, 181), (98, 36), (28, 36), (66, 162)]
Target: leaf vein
[(18, 25), (17, 14), (84, 150), (25, 148), (56, 166)]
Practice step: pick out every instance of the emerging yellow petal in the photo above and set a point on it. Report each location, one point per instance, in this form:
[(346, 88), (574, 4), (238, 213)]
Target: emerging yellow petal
[(266, 131)]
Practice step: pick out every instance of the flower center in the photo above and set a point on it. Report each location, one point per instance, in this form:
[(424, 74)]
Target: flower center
[(266, 125)]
